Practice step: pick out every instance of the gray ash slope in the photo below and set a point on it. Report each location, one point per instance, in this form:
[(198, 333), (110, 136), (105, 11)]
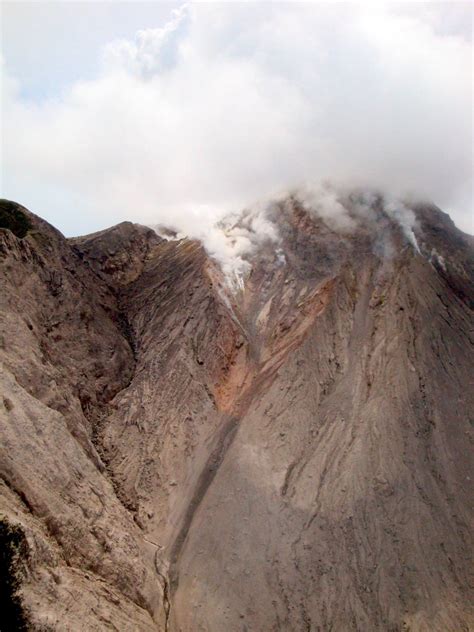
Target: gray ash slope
[(293, 456)]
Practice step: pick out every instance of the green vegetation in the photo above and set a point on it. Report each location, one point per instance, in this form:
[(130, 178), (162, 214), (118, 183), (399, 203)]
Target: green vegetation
[(13, 553), (13, 218)]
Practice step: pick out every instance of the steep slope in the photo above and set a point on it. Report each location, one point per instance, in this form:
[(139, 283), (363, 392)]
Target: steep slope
[(345, 499), (64, 355), (294, 456)]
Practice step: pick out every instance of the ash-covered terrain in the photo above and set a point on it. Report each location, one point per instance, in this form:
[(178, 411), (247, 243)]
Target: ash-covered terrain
[(292, 452)]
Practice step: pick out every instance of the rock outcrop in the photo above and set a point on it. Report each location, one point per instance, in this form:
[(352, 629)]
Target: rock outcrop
[(296, 455)]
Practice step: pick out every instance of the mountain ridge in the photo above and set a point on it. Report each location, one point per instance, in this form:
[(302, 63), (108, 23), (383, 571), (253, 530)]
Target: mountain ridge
[(201, 458)]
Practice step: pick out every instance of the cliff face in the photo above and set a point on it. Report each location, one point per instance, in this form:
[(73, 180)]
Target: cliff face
[(291, 456)]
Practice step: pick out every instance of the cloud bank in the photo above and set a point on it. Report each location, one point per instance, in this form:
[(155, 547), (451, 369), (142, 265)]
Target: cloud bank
[(228, 104)]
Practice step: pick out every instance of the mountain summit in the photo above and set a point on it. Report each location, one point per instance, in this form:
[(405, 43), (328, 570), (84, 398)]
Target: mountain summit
[(290, 453)]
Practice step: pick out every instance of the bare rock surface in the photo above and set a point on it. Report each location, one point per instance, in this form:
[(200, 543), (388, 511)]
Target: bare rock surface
[(296, 455)]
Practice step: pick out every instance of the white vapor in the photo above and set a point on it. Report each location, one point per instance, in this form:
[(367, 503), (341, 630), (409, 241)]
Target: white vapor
[(406, 219), (230, 103), (232, 240)]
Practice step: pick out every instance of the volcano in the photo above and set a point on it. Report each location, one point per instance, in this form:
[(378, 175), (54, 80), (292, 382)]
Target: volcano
[(293, 453)]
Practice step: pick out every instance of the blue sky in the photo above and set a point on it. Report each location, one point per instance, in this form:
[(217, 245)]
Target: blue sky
[(49, 45), (160, 113)]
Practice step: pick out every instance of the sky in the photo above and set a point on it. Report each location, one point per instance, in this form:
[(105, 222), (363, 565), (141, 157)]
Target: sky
[(174, 114)]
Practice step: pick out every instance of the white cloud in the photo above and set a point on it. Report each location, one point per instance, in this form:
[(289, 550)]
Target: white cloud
[(153, 51), (230, 103)]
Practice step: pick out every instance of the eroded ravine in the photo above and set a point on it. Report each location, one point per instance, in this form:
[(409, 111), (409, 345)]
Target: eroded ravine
[(265, 344)]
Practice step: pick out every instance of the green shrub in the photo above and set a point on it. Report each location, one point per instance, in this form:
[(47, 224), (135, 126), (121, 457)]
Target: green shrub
[(13, 218), (13, 553)]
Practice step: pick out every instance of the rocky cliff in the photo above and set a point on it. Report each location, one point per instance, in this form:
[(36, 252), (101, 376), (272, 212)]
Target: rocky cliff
[(295, 454)]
